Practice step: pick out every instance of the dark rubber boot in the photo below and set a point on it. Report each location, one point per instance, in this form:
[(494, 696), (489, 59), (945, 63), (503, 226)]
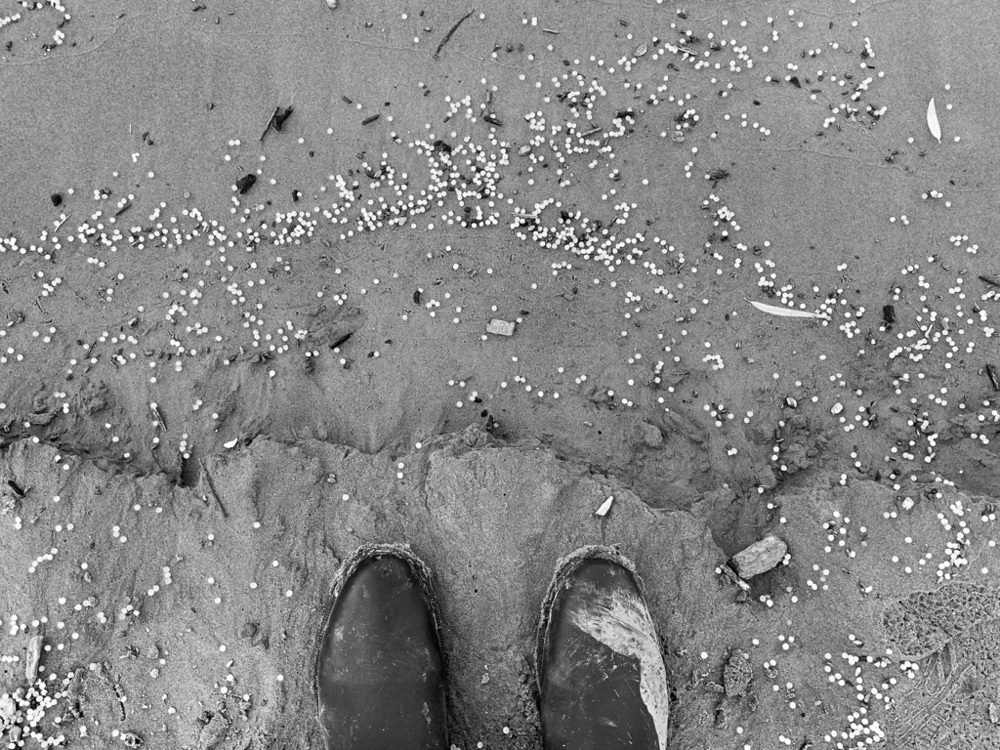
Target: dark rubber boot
[(379, 677), (601, 678)]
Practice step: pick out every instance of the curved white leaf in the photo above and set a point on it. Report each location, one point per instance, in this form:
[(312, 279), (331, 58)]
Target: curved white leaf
[(785, 312), (932, 120)]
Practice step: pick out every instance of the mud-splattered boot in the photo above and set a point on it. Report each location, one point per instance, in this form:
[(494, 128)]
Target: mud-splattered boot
[(379, 677), (601, 678)]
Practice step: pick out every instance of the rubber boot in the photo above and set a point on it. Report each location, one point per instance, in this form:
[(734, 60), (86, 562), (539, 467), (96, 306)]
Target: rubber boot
[(602, 683), (379, 676)]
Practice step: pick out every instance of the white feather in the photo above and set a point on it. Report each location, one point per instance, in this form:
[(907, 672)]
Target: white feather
[(932, 120), (785, 312)]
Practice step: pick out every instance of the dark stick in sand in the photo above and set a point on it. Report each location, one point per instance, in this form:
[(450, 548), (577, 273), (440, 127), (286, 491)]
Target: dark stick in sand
[(463, 19), (991, 282), (268, 126), (211, 486), (991, 373)]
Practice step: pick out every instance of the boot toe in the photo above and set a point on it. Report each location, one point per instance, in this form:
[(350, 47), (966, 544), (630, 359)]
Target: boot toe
[(602, 681), (379, 673)]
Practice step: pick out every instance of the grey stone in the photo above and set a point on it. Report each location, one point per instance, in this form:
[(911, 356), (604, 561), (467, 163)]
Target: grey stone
[(760, 556), (500, 327), (649, 435)]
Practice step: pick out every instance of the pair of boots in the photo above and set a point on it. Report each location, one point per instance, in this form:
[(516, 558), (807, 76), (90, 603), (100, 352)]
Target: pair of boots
[(379, 677)]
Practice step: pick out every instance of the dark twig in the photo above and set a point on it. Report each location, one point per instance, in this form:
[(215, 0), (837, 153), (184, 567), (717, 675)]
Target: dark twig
[(452, 30), (991, 282), (211, 486), (991, 373)]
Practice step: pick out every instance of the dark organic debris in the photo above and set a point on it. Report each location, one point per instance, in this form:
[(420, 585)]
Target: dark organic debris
[(452, 30), (888, 315), (370, 119), (280, 115), (991, 373), (277, 120), (245, 183), (56, 199), (492, 120), (18, 490), (991, 281), (341, 340)]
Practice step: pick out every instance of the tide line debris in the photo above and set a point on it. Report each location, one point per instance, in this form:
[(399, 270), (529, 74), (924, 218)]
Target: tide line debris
[(245, 183), (452, 30)]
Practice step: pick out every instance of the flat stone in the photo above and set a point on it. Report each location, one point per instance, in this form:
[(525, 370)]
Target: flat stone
[(649, 434), (500, 327), (760, 556)]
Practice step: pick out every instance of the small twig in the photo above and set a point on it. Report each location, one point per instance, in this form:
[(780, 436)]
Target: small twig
[(270, 120), (991, 373), (732, 576), (990, 281), (452, 30), (65, 219), (156, 415), (211, 486)]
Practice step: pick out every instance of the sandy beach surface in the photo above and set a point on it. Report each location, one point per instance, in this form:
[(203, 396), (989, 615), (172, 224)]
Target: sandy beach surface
[(249, 258)]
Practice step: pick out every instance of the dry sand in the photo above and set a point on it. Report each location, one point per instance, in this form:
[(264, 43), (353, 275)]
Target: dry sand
[(712, 423)]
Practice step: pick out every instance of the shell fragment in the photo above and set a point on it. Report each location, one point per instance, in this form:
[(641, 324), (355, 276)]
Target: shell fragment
[(785, 312), (605, 507), (34, 652), (932, 120)]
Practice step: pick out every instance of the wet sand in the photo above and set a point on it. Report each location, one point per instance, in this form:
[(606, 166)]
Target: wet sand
[(302, 344)]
